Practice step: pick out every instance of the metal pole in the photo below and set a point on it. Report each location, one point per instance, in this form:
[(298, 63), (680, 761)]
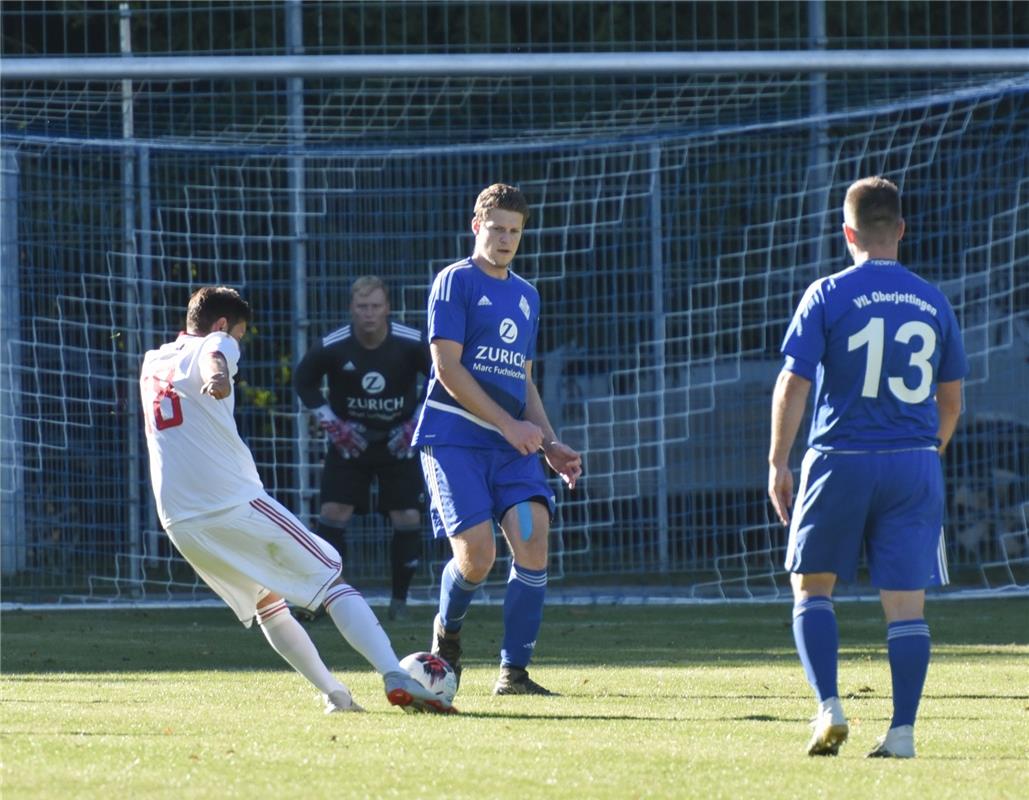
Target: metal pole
[(819, 173), (134, 525), (13, 550), (298, 232), (524, 65), (146, 308), (657, 290)]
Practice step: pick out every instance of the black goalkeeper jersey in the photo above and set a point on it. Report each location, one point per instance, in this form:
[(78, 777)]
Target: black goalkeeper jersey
[(378, 388)]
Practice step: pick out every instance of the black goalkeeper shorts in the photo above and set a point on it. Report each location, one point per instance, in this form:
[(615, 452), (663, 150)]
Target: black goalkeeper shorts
[(348, 480)]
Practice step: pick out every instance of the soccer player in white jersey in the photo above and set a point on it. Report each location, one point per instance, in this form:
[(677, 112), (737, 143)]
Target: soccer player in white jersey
[(247, 547), (883, 348), (481, 431)]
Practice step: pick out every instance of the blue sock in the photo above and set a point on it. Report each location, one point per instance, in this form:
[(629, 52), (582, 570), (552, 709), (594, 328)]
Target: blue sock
[(455, 595), (907, 643), (523, 614), (818, 644)]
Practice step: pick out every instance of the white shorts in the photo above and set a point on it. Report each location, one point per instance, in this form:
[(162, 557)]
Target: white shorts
[(249, 550)]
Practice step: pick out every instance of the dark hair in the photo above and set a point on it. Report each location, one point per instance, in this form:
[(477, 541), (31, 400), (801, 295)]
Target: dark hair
[(504, 197), (208, 304), (872, 208)]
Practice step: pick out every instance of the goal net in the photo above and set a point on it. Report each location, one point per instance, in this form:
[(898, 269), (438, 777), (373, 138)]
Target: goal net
[(676, 222)]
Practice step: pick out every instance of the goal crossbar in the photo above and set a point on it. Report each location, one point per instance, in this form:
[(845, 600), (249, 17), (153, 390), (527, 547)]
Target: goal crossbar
[(514, 64)]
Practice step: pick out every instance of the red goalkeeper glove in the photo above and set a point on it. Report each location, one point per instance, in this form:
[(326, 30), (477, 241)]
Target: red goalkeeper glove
[(348, 437), (400, 439)]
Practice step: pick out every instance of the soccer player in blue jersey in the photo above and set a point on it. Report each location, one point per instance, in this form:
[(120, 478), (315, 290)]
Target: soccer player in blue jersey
[(883, 348), (480, 434)]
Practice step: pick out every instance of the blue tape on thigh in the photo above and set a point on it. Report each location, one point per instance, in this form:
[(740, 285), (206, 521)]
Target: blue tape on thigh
[(525, 520)]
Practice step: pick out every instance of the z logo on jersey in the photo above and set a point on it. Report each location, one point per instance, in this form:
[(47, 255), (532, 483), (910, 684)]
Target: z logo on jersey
[(373, 383), (508, 331)]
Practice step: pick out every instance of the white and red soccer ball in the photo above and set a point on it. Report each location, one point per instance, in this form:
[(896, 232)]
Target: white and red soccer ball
[(433, 673)]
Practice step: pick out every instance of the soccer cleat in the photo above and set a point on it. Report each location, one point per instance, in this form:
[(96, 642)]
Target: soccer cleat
[(515, 680), (830, 729), (404, 691), (339, 702), (447, 646), (397, 609), (898, 742), (306, 616)]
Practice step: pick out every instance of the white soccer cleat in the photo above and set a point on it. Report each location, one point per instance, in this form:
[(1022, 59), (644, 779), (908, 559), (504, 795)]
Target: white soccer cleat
[(340, 702), (404, 691), (898, 742), (830, 729)]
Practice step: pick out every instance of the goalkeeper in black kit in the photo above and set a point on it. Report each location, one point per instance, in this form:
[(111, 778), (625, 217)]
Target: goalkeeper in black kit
[(373, 366)]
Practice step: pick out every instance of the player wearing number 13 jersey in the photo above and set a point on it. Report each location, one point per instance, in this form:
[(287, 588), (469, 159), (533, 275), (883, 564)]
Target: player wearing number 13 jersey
[(882, 347), (248, 548)]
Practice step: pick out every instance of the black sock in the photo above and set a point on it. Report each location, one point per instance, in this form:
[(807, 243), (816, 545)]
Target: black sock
[(405, 551), (333, 534)]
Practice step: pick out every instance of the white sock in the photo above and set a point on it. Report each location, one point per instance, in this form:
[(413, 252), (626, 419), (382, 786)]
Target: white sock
[(289, 639), (359, 626)]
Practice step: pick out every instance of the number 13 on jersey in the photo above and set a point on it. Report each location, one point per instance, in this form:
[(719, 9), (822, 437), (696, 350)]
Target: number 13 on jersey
[(873, 336)]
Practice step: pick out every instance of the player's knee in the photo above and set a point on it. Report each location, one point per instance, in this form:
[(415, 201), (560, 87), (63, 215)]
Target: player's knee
[(476, 564), (336, 514), (812, 584), (405, 520)]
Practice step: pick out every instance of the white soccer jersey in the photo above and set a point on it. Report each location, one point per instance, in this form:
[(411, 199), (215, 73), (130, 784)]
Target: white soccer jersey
[(198, 462)]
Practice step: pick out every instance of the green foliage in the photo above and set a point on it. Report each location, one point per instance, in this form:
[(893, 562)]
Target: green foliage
[(699, 701)]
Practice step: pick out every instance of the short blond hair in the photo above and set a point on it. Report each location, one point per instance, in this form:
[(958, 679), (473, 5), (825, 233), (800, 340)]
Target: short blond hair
[(366, 284)]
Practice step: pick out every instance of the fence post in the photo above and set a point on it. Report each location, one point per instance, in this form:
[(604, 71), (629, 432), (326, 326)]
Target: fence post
[(134, 523), (13, 545), (657, 289), (298, 236)]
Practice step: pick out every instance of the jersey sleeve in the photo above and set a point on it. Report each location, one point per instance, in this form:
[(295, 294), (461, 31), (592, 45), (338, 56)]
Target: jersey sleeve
[(307, 377), (224, 344), (953, 361), (804, 342), (530, 345), (423, 358), (447, 307)]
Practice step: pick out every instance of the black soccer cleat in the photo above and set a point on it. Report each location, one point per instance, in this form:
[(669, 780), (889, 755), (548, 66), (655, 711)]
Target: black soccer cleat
[(306, 616), (515, 680), (447, 645)]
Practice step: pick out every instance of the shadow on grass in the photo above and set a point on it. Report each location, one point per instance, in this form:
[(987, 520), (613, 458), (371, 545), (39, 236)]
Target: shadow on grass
[(590, 639)]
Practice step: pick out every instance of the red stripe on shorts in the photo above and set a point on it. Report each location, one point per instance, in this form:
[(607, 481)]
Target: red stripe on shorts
[(302, 537)]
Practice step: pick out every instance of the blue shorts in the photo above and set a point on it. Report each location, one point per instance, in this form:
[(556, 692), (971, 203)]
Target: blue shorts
[(469, 485), (892, 503)]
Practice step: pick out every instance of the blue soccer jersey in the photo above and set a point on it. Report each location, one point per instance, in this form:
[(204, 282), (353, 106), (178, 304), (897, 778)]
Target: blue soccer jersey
[(875, 339), (496, 321)]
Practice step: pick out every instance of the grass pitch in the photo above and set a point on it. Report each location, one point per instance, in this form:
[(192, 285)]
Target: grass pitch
[(662, 702)]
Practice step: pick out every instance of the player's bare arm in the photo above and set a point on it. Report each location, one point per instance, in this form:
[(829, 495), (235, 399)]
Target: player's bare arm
[(948, 402), (565, 461), (524, 436), (788, 402), (214, 371)]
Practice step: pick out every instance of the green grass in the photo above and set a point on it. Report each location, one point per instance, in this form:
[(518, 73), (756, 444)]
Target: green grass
[(698, 701)]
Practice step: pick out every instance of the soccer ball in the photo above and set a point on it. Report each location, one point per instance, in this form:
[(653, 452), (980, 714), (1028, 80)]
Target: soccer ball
[(433, 673)]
